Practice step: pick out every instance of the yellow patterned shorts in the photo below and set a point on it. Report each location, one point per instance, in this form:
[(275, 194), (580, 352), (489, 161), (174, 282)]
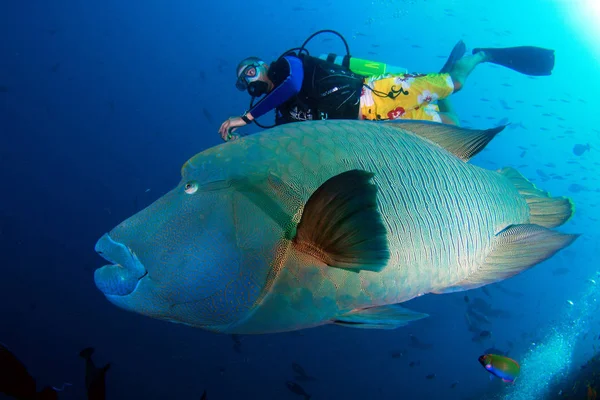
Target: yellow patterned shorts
[(404, 96)]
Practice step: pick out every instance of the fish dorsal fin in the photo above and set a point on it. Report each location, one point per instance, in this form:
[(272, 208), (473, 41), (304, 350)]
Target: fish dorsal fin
[(462, 142)]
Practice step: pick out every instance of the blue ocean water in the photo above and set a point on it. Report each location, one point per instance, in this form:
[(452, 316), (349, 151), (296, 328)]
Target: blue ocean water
[(102, 102)]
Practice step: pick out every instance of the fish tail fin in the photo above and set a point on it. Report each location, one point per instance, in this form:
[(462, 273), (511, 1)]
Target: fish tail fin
[(544, 210), (106, 367), (87, 353)]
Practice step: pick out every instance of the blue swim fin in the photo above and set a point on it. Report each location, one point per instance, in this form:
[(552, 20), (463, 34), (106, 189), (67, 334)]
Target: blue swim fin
[(528, 60), (456, 54)]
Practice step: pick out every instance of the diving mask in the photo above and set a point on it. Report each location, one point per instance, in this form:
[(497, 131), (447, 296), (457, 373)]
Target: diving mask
[(249, 74)]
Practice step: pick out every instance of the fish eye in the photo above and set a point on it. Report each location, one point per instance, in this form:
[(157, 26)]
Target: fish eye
[(191, 187)]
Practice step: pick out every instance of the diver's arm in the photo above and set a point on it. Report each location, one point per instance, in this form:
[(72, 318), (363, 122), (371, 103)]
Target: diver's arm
[(283, 92)]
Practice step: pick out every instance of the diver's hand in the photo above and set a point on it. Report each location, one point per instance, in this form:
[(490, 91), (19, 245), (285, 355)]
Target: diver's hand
[(230, 126)]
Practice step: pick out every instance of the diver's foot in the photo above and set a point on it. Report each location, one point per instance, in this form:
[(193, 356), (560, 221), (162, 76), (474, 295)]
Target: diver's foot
[(456, 54), (485, 56)]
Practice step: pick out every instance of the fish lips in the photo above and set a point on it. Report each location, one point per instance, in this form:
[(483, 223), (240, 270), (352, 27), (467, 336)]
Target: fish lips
[(122, 277), (483, 361)]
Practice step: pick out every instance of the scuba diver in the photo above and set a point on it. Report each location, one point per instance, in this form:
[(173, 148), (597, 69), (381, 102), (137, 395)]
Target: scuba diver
[(301, 87)]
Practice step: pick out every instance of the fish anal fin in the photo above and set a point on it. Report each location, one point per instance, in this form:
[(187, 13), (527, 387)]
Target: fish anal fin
[(462, 142), (517, 248), (341, 224), (382, 317)]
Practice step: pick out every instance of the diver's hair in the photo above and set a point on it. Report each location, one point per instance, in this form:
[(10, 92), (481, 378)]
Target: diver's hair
[(245, 62)]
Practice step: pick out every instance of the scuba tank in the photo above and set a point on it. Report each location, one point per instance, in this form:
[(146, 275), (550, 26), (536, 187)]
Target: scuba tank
[(363, 67)]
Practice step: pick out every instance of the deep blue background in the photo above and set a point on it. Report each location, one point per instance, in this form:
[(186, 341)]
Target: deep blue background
[(101, 101)]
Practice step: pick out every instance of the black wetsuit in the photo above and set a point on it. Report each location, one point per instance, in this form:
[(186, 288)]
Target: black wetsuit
[(308, 88)]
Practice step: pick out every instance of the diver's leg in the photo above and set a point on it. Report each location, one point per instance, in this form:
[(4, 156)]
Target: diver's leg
[(447, 113), (445, 105), (463, 68), (450, 119)]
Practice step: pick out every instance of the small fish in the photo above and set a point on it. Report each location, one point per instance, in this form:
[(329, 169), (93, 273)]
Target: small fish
[(576, 188), (483, 335), (417, 344), (479, 317), (414, 364), (493, 350), (560, 271), (237, 343), (504, 368), (542, 174), (207, 115), (203, 395), (15, 380), (397, 354), (95, 378), (301, 374), (591, 393), (295, 388), (466, 298), (579, 149), (509, 292), (453, 385), (430, 376)]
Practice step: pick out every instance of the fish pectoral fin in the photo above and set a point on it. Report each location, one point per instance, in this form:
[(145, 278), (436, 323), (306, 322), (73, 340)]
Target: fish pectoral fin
[(517, 248), (383, 317), (341, 224), (462, 142), (544, 210)]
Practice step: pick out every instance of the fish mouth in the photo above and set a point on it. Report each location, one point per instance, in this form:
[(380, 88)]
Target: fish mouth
[(121, 278)]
